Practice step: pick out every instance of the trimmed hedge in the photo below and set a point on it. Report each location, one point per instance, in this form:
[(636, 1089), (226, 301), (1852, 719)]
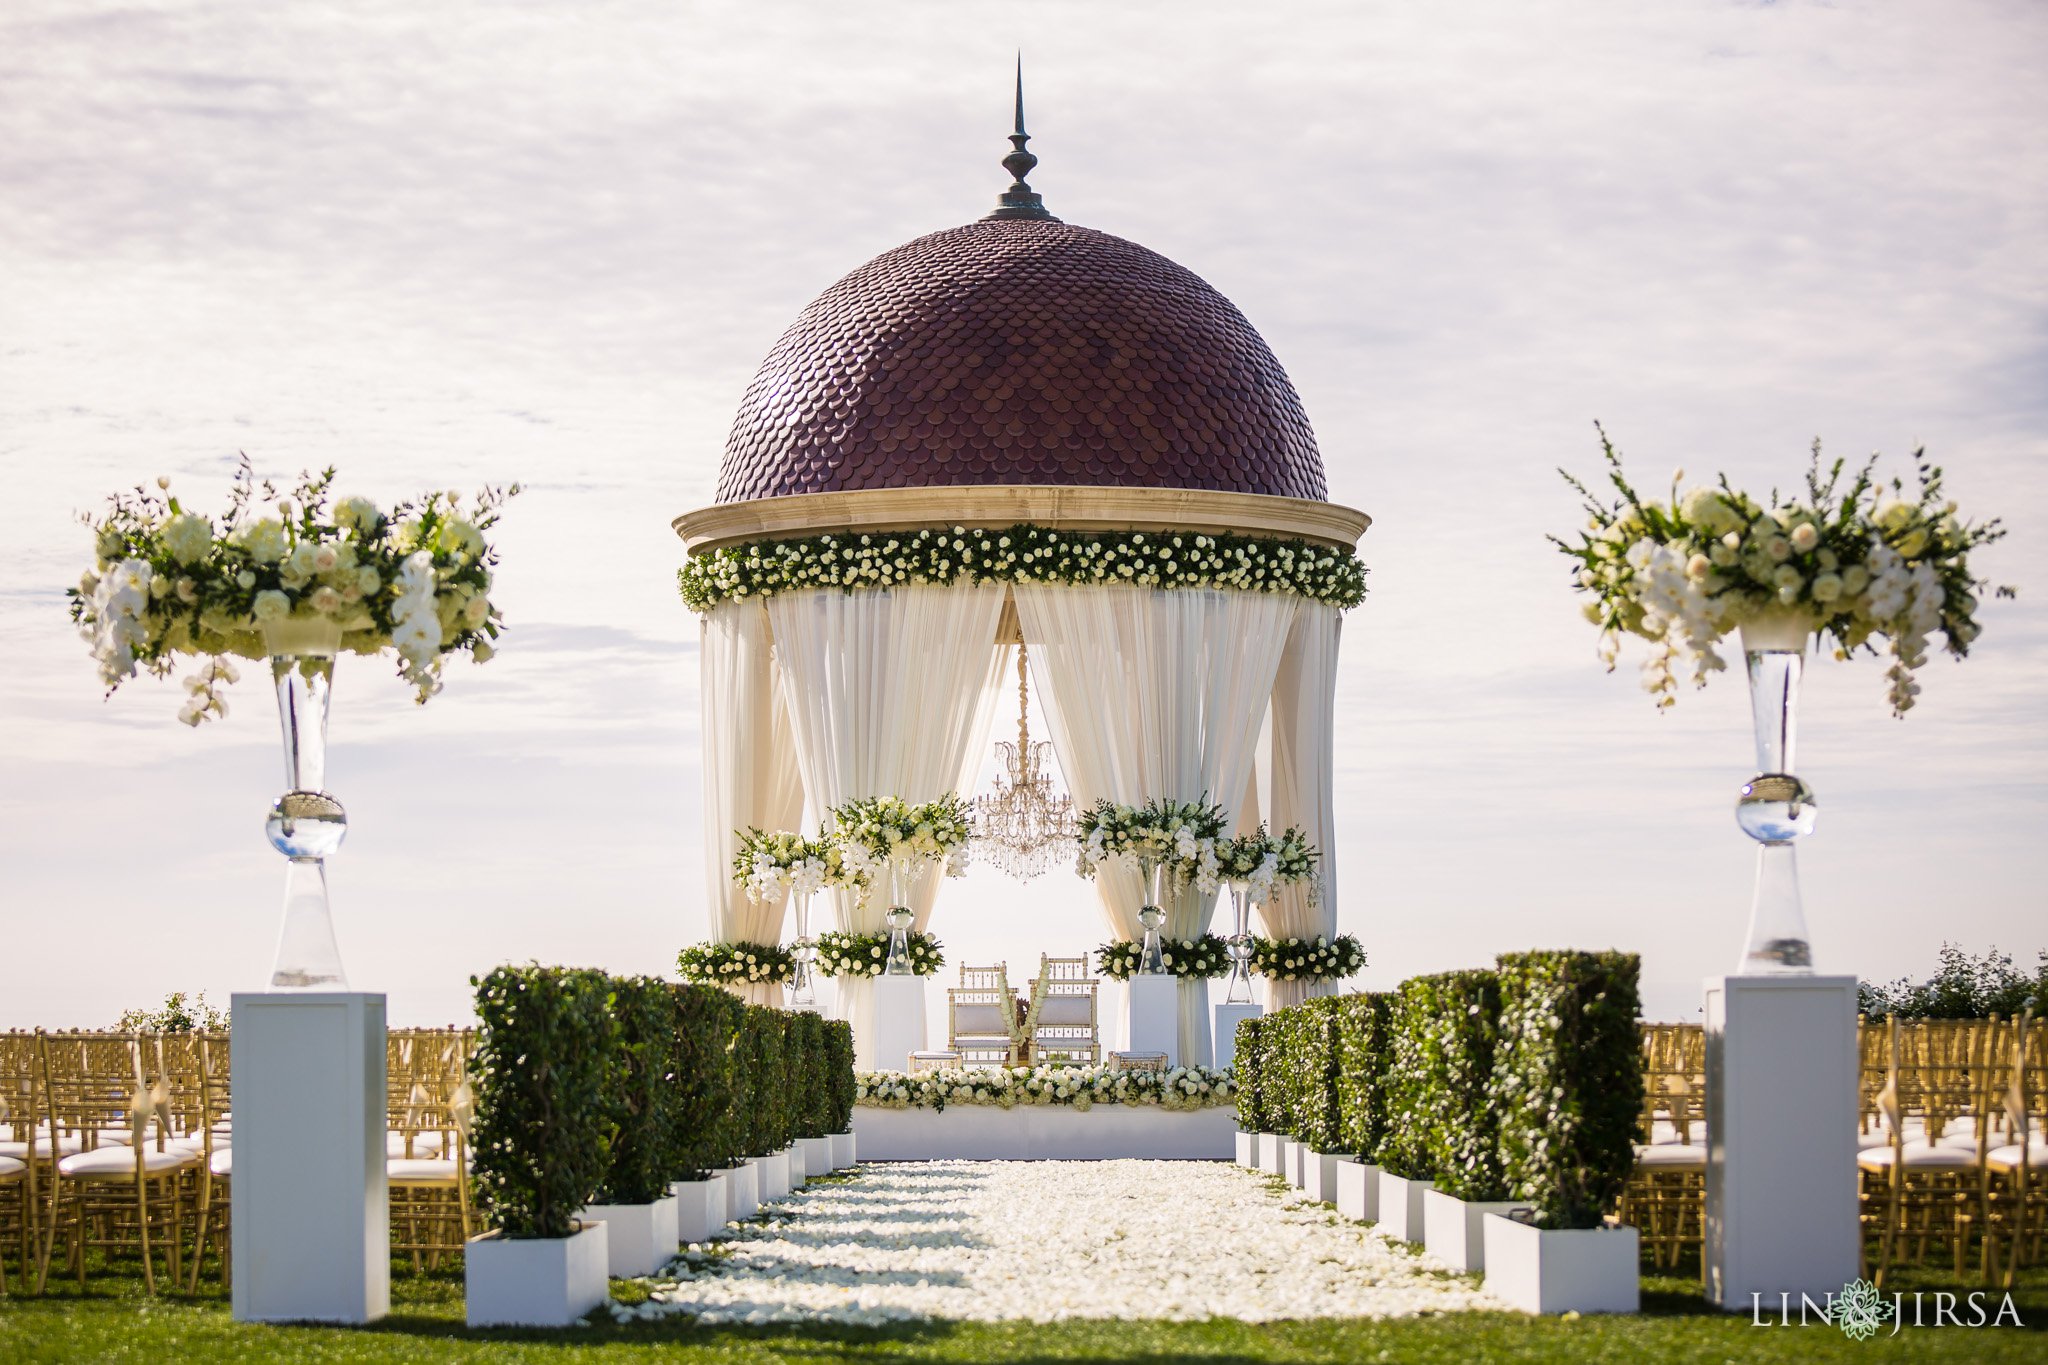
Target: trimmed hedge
[(703, 1137), (1302, 1073), (839, 1081), (547, 1045), (1567, 1082), (766, 1124), (1453, 1025), (1362, 1059), (644, 1092), (1248, 1065), (803, 1038)]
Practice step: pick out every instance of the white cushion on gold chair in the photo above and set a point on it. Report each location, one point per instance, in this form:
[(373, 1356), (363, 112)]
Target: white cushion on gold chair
[(420, 1171), (1671, 1156), (119, 1161), (223, 1162), (1876, 1137), (65, 1146), (2007, 1157), (423, 1144), (1919, 1157), (12, 1166)]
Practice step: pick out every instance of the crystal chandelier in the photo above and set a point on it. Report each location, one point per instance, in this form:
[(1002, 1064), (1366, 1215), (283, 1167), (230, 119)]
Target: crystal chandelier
[(1026, 823)]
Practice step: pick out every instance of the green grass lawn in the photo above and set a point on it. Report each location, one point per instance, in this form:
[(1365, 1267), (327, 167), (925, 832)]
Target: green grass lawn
[(113, 1320)]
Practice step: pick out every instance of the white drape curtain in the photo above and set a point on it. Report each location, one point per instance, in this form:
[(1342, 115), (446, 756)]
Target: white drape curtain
[(889, 693), (1151, 693), (750, 771), (1300, 791)]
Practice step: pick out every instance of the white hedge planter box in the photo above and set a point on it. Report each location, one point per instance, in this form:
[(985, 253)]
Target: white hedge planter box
[(1358, 1190), (1297, 1163), (842, 1150), (817, 1156), (1045, 1132), (1401, 1206), (534, 1281), (1269, 1153), (1454, 1229), (700, 1209), (1562, 1270), (799, 1167), (774, 1175), (1247, 1149), (1319, 1175), (742, 1191), (639, 1239)]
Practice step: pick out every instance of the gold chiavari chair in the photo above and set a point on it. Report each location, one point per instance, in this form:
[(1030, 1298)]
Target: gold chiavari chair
[(431, 1216), (1924, 1190), (1665, 1198), (2016, 1220), (20, 1182), (1060, 1023), (111, 1194), (216, 1168)]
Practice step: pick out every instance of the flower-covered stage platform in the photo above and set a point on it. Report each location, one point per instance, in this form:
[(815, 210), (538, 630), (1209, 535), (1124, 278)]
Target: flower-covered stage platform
[(1046, 1113)]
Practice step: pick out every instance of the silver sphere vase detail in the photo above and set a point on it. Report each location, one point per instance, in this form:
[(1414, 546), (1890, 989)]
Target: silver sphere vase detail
[(305, 824), (1776, 808)]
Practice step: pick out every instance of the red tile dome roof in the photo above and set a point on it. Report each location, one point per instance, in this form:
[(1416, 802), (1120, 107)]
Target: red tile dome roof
[(1020, 351)]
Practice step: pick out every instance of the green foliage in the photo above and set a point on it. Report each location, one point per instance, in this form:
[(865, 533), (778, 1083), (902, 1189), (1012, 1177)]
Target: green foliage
[(1300, 1073), (645, 1091), (1964, 987), (703, 1137), (547, 1045), (1248, 1064), (1444, 1032), (840, 1086), (1363, 1054), (1567, 1081), (803, 1041), (769, 1097), (178, 1015)]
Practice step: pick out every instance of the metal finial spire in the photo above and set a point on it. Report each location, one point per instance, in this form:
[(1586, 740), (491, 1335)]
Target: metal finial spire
[(1020, 201)]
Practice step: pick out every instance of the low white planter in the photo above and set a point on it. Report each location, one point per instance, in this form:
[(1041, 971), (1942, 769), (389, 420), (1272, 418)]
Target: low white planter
[(774, 1169), (1269, 1153), (1358, 1190), (700, 1209), (1562, 1270), (534, 1281), (1296, 1158), (842, 1150), (818, 1159), (1401, 1207), (1319, 1175), (1453, 1229), (799, 1166), (742, 1191), (1247, 1149), (640, 1238)]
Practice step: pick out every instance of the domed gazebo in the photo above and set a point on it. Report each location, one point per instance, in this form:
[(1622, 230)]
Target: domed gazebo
[(1021, 430)]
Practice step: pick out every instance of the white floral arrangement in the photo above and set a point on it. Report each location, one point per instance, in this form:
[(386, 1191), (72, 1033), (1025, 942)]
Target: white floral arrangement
[(169, 582), (1198, 958), (770, 862), (1262, 862), (1078, 1087), (1178, 835), (731, 964), (873, 832), (1307, 959), (1867, 563), (1024, 554), (841, 953)]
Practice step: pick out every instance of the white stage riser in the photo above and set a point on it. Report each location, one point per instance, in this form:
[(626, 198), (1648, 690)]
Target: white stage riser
[(1045, 1133)]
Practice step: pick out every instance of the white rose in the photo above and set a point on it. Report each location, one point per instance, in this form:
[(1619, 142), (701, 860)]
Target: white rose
[(1804, 537), (271, 605), (188, 538), (1827, 587), (264, 540)]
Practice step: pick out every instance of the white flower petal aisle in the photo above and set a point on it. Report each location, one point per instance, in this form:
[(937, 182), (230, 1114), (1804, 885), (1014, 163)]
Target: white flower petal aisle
[(1046, 1240)]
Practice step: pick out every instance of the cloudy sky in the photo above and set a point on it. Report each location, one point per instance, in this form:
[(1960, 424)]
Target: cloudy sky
[(436, 244)]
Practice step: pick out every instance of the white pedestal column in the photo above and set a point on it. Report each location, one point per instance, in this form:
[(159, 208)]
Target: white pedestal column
[(1228, 1017), (1781, 1127), (312, 1233), (1152, 1007), (898, 1022)]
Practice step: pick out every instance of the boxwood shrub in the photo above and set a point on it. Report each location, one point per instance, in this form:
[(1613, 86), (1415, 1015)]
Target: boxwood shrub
[(769, 1097), (803, 1041), (644, 1092), (546, 1045), (840, 1085), (1454, 1032), (704, 1136), (1567, 1081), (1305, 1072), (1248, 1067), (1363, 1054)]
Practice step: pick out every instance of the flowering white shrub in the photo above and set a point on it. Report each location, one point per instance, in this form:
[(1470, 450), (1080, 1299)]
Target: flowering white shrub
[(1005, 1087), (1859, 565)]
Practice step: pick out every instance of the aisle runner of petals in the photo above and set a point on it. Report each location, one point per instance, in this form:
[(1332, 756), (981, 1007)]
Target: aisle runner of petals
[(1045, 1240)]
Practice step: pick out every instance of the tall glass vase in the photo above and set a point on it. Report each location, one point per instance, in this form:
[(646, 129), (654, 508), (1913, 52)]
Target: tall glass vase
[(305, 824), (802, 993), (1151, 954), (1241, 946), (900, 917), (1776, 808)]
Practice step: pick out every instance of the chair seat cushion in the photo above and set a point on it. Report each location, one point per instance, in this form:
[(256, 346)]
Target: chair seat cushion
[(108, 1163), (2007, 1157), (423, 1144), (65, 1146), (420, 1171), (1671, 1155), (1919, 1157), (223, 1162), (10, 1165)]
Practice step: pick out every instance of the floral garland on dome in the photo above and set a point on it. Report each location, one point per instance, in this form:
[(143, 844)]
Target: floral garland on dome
[(730, 964), (1306, 959), (414, 579), (1857, 565), (1199, 958), (1077, 1087), (1024, 553), (848, 954)]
